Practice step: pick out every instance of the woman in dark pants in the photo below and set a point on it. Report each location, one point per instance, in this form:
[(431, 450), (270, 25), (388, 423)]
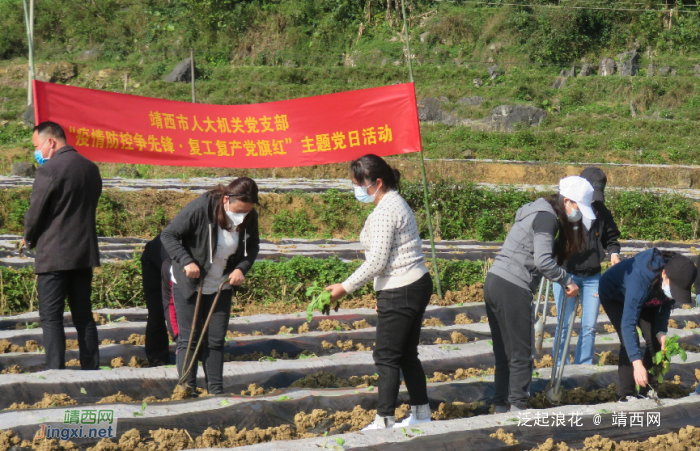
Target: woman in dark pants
[(546, 233), (156, 292), (394, 260), (212, 240), (641, 291)]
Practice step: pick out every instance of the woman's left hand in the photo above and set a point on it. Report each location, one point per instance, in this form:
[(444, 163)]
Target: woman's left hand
[(337, 291), (236, 278)]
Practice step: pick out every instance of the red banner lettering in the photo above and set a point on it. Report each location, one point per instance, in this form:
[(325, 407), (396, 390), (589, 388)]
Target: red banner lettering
[(121, 128)]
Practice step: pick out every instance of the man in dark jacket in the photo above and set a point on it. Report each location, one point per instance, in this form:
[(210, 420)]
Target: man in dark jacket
[(60, 223), (155, 272), (585, 268)]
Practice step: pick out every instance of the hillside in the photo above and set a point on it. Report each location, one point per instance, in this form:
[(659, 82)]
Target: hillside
[(264, 50)]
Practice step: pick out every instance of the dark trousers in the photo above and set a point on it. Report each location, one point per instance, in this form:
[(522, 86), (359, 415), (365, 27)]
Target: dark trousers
[(212, 348), (157, 350), (399, 320), (625, 370), (509, 310), (53, 289)]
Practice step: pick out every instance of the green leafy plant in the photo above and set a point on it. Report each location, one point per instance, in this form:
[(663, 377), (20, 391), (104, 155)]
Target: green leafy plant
[(143, 409), (320, 300), (662, 359)]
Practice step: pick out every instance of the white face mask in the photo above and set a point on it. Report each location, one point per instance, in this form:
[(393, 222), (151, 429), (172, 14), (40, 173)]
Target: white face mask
[(666, 289), (236, 218)]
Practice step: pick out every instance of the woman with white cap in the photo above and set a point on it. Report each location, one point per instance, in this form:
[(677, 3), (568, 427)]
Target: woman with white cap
[(546, 232)]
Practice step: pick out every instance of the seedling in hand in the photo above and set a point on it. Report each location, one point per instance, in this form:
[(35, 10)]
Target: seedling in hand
[(320, 300), (662, 359)]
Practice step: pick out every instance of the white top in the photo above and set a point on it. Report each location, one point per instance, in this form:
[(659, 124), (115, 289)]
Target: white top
[(393, 248), (227, 245)]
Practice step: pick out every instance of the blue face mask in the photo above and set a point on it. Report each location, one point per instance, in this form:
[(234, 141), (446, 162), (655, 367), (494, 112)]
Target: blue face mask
[(362, 196), (38, 156)]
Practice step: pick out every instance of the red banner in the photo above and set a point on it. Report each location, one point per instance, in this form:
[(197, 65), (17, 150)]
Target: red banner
[(121, 128)]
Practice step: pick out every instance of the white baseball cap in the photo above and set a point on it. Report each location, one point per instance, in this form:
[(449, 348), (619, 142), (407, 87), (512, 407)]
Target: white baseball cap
[(580, 191)]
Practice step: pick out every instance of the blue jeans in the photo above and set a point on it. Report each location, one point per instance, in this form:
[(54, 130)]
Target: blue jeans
[(588, 289)]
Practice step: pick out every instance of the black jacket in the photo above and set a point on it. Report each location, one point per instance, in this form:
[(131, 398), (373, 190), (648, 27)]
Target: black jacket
[(191, 237), (603, 236), (60, 221)]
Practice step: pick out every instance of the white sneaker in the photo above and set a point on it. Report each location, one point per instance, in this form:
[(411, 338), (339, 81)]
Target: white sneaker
[(410, 421), (380, 423)]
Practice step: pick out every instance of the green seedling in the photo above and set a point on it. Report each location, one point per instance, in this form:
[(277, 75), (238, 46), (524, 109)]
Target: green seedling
[(639, 332), (307, 356), (460, 304), (606, 338), (106, 368), (31, 326), (267, 358), (40, 376), (247, 321), (490, 342), (603, 411), (168, 366), (83, 391), (662, 359), (224, 402), (143, 409), (284, 398), (535, 374), (41, 420), (121, 319), (370, 388), (320, 300)]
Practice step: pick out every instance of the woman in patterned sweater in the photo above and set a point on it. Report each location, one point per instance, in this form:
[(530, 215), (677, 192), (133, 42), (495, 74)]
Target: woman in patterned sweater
[(394, 260)]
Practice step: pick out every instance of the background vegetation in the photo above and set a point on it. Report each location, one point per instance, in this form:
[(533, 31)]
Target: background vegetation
[(262, 50), (461, 212)]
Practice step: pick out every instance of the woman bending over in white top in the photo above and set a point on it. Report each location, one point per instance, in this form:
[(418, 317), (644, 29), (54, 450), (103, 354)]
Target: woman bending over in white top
[(394, 260)]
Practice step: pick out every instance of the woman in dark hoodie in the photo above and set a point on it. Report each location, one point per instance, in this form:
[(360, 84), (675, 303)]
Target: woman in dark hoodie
[(544, 230), (641, 291), (212, 240)]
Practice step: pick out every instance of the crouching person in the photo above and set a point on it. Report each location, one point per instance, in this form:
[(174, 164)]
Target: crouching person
[(641, 291)]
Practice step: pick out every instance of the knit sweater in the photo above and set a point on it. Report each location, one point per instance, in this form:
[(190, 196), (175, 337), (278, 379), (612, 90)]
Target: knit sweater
[(393, 248)]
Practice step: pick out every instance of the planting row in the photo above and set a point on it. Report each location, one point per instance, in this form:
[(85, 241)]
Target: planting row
[(272, 286), (462, 211), (303, 413), (114, 249)]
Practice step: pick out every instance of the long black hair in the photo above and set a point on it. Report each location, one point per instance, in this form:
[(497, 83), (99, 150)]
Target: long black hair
[(570, 239), (244, 189), (655, 287), (371, 167)]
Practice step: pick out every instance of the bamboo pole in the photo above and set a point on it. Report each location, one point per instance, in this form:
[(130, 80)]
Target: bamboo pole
[(29, 25), (422, 163)]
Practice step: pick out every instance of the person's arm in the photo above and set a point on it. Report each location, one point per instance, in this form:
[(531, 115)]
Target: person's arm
[(611, 236), (40, 200), (381, 227), (545, 228), (661, 320), (252, 246), (636, 292), (181, 226)]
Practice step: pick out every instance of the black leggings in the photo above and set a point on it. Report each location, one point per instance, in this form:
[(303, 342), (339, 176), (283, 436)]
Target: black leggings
[(399, 320), (625, 370), (212, 349), (509, 309)]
